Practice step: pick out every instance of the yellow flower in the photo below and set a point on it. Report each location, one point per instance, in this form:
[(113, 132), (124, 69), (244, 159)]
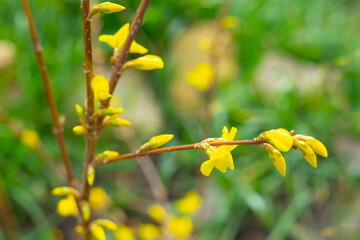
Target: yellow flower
[(189, 203), (147, 62), (100, 86), (280, 138), (124, 233), (149, 231), (220, 157), (98, 198), (67, 206), (181, 227), (30, 138), (80, 130), (277, 159), (201, 77), (117, 40), (107, 7), (157, 212), (97, 232)]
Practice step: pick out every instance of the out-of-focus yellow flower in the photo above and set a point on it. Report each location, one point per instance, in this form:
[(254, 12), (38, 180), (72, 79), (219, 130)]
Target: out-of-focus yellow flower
[(315, 144), (98, 198), (100, 86), (149, 231), (106, 155), (147, 62), (67, 206), (280, 138), (97, 232), (107, 7), (64, 191), (277, 159), (117, 40), (189, 203), (157, 212), (229, 22), (80, 130), (123, 232), (30, 138), (91, 175), (201, 77), (220, 157), (181, 227)]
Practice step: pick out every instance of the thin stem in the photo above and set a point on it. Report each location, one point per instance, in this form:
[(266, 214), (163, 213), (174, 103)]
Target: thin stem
[(57, 126), (173, 149)]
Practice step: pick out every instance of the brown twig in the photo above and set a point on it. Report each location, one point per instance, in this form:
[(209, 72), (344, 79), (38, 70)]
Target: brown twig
[(173, 149), (57, 126)]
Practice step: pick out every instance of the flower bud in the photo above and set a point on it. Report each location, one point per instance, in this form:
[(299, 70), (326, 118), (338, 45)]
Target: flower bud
[(80, 130)]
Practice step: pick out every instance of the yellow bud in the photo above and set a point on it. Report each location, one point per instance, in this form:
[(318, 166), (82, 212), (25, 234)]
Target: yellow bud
[(30, 138), (80, 130), (124, 233), (149, 231), (100, 86), (86, 212), (64, 191), (157, 212), (315, 144), (91, 175), (147, 62), (108, 7), (201, 77), (119, 122), (113, 111), (107, 224), (181, 227), (160, 140), (97, 232), (307, 152), (189, 203), (280, 138), (79, 111), (277, 159), (106, 155), (229, 22)]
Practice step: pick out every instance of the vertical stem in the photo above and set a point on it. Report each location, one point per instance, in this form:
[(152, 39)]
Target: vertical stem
[(57, 126)]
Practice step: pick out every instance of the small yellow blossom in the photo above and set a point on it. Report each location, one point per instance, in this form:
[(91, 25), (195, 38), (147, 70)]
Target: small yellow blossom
[(117, 40), (147, 62), (189, 203), (220, 157), (106, 155), (157, 212), (64, 191), (277, 159), (80, 130), (30, 138), (124, 233), (280, 138), (181, 227), (149, 231), (91, 175), (202, 77), (100, 86), (97, 232), (98, 198), (229, 22), (67, 206), (107, 7)]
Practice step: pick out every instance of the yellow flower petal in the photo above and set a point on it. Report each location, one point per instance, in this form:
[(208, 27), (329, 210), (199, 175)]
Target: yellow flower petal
[(181, 227), (207, 167), (124, 233), (307, 152), (149, 231), (157, 212)]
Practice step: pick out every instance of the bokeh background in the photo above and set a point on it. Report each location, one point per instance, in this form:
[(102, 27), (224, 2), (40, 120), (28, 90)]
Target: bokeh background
[(291, 64)]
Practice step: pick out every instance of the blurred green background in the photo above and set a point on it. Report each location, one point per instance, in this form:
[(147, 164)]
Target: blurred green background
[(291, 64)]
